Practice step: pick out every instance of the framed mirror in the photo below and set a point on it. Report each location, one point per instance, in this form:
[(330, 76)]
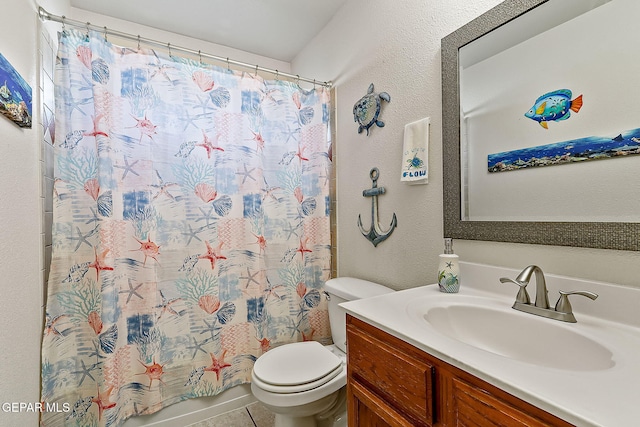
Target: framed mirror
[(515, 169)]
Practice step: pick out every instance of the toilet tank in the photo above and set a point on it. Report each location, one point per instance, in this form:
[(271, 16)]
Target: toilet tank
[(343, 289)]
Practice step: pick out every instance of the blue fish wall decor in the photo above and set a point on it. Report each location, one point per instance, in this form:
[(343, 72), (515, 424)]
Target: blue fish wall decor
[(554, 106)]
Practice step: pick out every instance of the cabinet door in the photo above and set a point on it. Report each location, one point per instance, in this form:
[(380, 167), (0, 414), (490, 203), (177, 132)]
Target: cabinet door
[(398, 378), (473, 406), (368, 410)]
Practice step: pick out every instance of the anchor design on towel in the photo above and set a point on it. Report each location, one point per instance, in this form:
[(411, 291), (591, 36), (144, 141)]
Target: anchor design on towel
[(375, 234)]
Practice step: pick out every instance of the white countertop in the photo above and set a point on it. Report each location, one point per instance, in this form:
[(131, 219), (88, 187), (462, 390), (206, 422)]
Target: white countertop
[(607, 397)]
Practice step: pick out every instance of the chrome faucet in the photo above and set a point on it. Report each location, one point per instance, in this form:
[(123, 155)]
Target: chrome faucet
[(562, 310)]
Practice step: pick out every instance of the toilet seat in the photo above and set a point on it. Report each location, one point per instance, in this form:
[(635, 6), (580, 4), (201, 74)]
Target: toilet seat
[(296, 367)]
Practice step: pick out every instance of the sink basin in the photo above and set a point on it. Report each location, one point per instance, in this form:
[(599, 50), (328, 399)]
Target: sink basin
[(494, 327)]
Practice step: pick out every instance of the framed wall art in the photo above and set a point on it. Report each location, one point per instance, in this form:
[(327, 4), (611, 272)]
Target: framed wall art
[(15, 95)]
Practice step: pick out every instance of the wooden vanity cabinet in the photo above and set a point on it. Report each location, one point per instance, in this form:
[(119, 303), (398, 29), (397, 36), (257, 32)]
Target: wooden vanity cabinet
[(392, 383)]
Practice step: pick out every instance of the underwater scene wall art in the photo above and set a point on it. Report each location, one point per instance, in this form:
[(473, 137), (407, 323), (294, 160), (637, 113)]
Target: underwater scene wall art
[(15, 95), (573, 151)]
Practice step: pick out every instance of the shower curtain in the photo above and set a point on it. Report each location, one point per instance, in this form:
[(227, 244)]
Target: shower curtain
[(190, 232)]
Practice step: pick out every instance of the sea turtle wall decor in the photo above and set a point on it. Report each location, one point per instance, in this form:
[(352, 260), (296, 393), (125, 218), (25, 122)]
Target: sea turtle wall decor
[(367, 109)]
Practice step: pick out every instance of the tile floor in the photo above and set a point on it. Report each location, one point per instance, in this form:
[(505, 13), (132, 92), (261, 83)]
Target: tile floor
[(253, 415)]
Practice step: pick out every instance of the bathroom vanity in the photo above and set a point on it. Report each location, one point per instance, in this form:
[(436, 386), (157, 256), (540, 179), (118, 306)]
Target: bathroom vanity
[(392, 383), (420, 357)]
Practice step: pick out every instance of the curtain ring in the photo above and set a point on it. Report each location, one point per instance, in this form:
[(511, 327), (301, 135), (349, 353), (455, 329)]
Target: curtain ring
[(200, 56), (105, 34), (88, 23), (169, 46), (64, 29), (314, 84), (298, 80), (277, 75), (228, 65), (138, 41), (256, 71)]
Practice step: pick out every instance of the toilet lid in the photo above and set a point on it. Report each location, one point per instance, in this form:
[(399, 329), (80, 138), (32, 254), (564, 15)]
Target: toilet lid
[(304, 363)]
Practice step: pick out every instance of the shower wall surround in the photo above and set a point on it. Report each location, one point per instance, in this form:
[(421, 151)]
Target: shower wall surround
[(47, 56)]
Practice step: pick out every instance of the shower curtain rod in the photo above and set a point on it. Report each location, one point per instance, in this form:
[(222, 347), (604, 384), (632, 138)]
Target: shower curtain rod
[(44, 15)]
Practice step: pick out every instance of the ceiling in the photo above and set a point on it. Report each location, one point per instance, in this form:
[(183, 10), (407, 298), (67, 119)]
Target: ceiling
[(277, 29)]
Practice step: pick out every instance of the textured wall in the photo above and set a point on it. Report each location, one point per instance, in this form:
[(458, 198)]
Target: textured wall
[(20, 233), (397, 47)]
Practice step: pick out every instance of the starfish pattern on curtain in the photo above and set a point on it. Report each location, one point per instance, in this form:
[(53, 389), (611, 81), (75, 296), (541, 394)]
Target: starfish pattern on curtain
[(190, 233)]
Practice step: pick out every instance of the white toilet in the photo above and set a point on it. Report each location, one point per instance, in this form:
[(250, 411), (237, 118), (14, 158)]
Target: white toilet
[(304, 383)]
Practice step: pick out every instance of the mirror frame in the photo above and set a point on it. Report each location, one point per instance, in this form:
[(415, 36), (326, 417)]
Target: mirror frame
[(602, 235)]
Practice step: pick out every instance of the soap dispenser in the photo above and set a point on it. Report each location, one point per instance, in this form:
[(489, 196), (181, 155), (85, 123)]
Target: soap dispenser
[(449, 269)]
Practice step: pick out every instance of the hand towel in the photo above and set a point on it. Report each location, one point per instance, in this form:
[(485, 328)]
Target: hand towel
[(415, 152)]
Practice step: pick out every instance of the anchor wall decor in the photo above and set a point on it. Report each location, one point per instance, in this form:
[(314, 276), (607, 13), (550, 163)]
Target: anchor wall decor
[(375, 234)]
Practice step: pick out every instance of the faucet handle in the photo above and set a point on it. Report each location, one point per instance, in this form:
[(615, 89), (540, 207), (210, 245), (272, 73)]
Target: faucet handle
[(523, 295), (564, 306)]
